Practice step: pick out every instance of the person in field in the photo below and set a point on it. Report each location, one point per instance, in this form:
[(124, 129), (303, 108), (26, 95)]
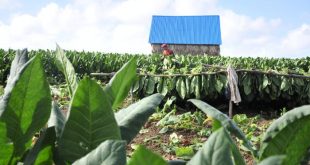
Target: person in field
[(166, 50), (167, 57)]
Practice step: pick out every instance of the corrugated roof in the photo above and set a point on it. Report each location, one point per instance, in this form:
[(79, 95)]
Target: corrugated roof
[(186, 30)]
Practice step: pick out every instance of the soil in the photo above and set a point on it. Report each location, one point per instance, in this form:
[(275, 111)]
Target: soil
[(153, 140)]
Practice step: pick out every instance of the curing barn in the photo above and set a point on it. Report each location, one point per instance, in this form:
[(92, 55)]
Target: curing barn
[(195, 35)]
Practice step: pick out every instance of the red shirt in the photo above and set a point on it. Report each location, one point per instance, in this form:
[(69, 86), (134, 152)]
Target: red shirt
[(167, 52)]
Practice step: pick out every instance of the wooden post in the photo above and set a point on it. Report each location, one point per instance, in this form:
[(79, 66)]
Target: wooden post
[(131, 94), (230, 111)]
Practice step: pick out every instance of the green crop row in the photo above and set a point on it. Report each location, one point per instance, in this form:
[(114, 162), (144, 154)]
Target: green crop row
[(93, 62), (252, 87)]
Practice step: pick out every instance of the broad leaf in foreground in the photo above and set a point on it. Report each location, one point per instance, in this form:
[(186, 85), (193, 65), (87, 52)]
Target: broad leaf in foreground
[(288, 135), (65, 66), (144, 156), (19, 61), (111, 152), (219, 149), (225, 121), (6, 149), (273, 160), (57, 119), (42, 150), (27, 108), (91, 121), (131, 119), (120, 84)]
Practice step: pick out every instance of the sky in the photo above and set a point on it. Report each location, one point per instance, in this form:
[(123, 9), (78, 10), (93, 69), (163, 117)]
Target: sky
[(273, 28)]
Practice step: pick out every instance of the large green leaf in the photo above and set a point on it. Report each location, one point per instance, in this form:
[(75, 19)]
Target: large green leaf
[(131, 119), (41, 153), (273, 160), (288, 135), (27, 107), (226, 122), (150, 85), (219, 85), (196, 85), (57, 119), (181, 87), (266, 81), (247, 84), (6, 149), (162, 86), (91, 121), (120, 84), (111, 152), (285, 84), (144, 156), (220, 82), (19, 61), (65, 66), (188, 86), (219, 149), (44, 157), (135, 87)]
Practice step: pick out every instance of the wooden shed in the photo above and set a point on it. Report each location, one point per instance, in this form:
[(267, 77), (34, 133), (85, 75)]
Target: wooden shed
[(196, 35)]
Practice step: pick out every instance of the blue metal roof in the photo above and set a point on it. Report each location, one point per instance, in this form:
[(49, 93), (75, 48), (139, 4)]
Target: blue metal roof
[(185, 30)]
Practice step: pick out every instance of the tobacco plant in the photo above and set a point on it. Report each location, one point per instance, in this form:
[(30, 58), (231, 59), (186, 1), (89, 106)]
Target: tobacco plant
[(90, 133), (286, 141)]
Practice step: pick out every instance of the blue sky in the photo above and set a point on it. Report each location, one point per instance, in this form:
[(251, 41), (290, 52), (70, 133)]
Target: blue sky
[(254, 28), (293, 13)]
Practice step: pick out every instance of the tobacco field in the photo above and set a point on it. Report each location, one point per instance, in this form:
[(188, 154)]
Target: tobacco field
[(69, 107)]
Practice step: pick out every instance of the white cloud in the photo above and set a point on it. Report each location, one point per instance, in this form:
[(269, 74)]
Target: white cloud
[(123, 26), (246, 36), (4, 3), (9, 4), (298, 39)]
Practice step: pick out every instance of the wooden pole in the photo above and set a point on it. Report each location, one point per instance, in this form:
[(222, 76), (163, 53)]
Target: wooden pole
[(208, 73), (230, 111)]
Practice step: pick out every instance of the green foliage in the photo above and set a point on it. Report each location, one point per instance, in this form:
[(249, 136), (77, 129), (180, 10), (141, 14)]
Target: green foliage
[(91, 121), (91, 134), (119, 86), (219, 149), (142, 156), (116, 154), (57, 119), (253, 87), (41, 153), (27, 106), (65, 66), (184, 152), (225, 121), (20, 59), (288, 136), (251, 126), (6, 149), (272, 160), (86, 131), (240, 118), (131, 119)]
